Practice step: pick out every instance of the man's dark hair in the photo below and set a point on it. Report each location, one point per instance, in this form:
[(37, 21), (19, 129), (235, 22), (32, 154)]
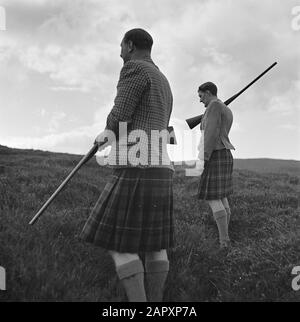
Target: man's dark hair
[(209, 86), (140, 38)]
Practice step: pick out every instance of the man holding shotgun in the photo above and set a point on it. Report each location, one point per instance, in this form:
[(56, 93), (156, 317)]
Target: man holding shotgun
[(216, 180), (134, 213)]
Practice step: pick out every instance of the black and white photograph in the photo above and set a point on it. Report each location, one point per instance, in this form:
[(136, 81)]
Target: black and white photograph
[(150, 153)]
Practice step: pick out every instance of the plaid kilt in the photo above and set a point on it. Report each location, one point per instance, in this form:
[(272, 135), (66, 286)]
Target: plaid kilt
[(216, 179), (134, 212)]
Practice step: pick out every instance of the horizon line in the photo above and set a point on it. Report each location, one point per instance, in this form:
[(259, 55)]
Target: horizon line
[(175, 162)]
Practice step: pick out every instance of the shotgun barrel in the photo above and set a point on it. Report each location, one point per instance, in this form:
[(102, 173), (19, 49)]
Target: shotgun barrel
[(194, 121), (85, 159)]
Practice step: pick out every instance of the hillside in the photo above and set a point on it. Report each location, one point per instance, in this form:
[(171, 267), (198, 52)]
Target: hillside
[(263, 165), (48, 262), (268, 165)]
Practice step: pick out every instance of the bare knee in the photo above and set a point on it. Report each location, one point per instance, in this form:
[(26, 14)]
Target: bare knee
[(123, 258), (157, 256), (216, 205)]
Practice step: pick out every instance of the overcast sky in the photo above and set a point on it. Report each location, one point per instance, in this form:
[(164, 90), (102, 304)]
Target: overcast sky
[(60, 63)]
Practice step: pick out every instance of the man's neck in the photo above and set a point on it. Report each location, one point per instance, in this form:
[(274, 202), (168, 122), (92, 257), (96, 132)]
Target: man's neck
[(141, 55), (213, 98)]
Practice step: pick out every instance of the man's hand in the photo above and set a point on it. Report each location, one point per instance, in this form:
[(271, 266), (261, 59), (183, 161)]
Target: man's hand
[(104, 139)]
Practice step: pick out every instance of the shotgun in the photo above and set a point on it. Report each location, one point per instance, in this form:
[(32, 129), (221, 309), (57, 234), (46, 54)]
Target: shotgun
[(194, 121), (85, 159)]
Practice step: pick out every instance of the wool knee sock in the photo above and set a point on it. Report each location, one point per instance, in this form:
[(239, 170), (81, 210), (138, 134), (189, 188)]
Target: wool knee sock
[(156, 275), (228, 211), (132, 277), (221, 220)]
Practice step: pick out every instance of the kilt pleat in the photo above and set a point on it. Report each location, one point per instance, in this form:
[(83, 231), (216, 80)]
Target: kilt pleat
[(134, 213), (216, 179)]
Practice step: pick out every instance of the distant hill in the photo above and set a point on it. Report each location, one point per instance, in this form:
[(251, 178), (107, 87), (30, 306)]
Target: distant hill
[(263, 165), (268, 165)]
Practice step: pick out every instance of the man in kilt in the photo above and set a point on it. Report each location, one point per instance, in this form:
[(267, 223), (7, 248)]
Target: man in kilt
[(134, 214), (216, 179)]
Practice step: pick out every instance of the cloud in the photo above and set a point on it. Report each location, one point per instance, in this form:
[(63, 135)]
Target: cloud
[(67, 88), (75, 44), (74, 67), (287, 103), (55, 121), (69, 41), (72, 47), (77, 141), (288, 127), (230, 49)]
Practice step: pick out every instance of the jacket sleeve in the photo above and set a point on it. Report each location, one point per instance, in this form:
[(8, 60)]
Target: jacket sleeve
[(132, 83), (212, 129)]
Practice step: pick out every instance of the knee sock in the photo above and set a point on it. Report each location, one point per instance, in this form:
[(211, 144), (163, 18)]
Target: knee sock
[(156, 275), (221, 220), (132, 277)]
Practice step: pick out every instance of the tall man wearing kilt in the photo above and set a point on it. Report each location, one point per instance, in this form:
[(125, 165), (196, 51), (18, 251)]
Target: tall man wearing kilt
[(134, 213), (216, 180)]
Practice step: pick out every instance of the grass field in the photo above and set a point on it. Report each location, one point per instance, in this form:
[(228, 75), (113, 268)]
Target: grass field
[(48, 262)]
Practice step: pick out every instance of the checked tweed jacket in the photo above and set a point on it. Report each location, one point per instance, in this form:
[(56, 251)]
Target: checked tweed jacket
[(144, 101)]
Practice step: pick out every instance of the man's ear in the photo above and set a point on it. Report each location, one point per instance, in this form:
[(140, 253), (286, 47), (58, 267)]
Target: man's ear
[(130, 46)]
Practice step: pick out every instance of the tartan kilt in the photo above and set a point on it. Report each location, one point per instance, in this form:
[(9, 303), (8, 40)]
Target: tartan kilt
[(216, 179), (134, 212)]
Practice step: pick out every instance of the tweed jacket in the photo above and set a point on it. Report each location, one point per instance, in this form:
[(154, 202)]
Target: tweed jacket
[(143, 104), (216, 124)]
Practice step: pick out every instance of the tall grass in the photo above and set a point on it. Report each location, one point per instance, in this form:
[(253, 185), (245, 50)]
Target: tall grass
[(48, 262)]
